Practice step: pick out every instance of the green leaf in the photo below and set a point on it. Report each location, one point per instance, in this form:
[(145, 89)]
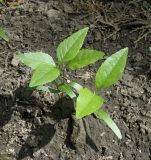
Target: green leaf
[(107, 119), (76, 86), (34, 59), (2, 1), (67, 89), (47, 89), (3, 35), (43, 74), (69, 48), (87, 103), (111, 70), (84, 58)]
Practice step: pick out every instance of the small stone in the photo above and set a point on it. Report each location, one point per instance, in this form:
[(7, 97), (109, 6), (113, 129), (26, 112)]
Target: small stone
[(98, 36), (16, 38), (12, 151), (68, 8), (14, 62), (30, 10), (129, 68), (68, 81), (52, 13)]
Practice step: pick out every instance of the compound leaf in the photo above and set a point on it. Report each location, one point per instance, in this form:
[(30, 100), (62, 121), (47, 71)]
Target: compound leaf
[(87, 103), (84, 58), (34, 59), (111, 70), (69, 48), (43, 74), (107, 119)]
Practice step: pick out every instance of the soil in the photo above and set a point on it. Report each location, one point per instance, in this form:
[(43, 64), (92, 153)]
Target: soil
[(35, 125)]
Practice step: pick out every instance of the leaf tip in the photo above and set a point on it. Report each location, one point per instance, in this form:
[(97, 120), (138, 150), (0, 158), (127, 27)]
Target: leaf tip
[(120, 136), (126, 50), (31, 85), (86, 28)]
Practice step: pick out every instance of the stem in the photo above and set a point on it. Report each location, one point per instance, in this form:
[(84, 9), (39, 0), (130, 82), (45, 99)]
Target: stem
[(56, 83), (63, 73)]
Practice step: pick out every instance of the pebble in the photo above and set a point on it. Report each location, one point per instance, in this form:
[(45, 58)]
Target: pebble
[(14, 62), (68, 8), (52, 13)]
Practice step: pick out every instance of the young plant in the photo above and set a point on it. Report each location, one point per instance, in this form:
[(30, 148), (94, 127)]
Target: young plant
[(70, 56), (1, 1), (3, 35)]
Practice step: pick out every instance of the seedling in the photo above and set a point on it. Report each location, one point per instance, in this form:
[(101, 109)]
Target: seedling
[(3, 35), (1, 1), (70, 56)]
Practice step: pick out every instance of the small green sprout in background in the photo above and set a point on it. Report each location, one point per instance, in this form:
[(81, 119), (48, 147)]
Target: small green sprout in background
[(1, 1), (70, 56), (3, 35)]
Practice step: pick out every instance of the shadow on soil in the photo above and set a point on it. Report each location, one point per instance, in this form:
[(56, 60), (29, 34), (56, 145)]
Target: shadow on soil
[(38, 138), (6, 110), (42, 133)]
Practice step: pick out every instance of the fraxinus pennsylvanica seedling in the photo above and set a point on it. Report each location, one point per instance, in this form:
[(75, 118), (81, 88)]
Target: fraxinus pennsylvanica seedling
[(71, 56)]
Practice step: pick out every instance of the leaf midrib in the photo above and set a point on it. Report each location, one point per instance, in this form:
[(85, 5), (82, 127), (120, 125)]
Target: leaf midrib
[(41, 62), (115, 64), (45, 74), (83, 110), (72, 46)]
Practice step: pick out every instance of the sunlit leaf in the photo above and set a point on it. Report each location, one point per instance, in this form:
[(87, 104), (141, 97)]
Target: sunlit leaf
[(111, 70), (76, 86), (34, 59), (107, 119), (43, 74), (87, 103), (84, 58), (67, 89), (69, 48)]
